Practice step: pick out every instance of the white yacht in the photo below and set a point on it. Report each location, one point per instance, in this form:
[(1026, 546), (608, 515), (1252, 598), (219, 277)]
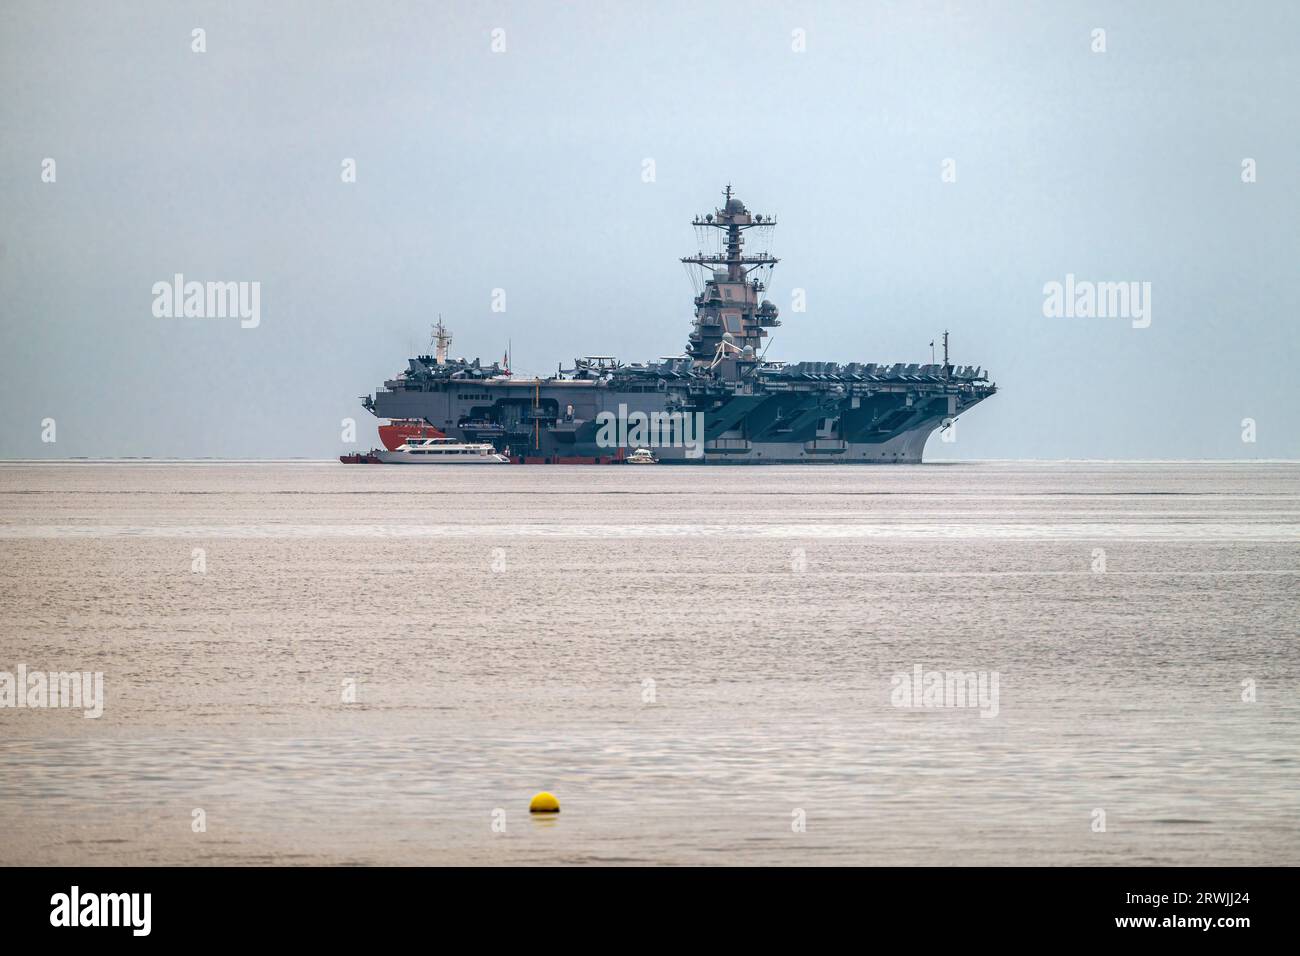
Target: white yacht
[(442, 451), (642, 456)]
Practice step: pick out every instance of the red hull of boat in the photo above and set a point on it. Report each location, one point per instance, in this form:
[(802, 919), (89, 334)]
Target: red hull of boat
[(399, 431)]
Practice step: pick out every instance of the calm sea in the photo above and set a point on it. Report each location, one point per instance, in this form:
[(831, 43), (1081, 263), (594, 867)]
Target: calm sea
[(307, 662)]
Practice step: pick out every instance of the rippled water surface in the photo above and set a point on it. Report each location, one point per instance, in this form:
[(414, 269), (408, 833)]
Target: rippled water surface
[(692, 659)]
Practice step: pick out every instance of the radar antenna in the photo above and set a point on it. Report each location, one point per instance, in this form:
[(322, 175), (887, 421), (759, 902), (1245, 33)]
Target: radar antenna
[(441, 339), (730, 300)]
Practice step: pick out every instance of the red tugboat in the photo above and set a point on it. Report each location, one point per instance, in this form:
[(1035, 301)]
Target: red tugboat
[(394, 434), (399, 431)]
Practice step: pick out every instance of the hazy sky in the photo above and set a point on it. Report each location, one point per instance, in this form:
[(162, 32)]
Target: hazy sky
[(523, 170)]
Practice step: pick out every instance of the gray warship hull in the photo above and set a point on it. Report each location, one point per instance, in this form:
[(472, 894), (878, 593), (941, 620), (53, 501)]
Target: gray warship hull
[(719, 403), (857, 414)]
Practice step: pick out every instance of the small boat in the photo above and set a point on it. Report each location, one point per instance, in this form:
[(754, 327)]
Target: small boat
[(642, 456), (356, 458), (442, 451)]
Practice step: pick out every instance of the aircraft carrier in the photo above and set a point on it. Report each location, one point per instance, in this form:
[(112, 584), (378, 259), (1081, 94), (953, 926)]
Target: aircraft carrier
[(720, 402)]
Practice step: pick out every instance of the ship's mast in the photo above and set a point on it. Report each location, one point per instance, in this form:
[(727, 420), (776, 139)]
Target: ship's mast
[(730, 316), (441, 339)]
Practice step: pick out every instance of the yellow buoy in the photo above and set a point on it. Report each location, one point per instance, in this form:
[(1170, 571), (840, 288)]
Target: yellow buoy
[(544, 803)]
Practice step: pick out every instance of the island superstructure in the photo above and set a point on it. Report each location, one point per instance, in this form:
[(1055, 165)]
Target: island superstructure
[(720, 402)]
